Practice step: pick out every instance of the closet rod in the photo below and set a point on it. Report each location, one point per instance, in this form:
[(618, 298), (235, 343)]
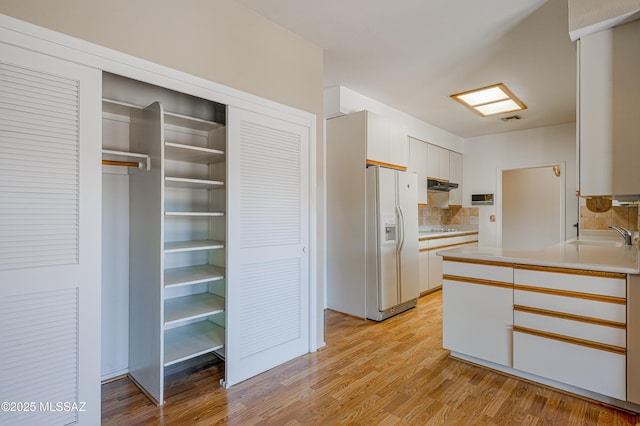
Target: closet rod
[(120, 163)]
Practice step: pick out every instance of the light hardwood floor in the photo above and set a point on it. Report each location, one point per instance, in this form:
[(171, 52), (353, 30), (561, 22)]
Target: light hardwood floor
[(393, 372)]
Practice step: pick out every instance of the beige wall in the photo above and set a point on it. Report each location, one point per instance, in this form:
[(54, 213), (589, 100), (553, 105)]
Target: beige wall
[(219, 40)]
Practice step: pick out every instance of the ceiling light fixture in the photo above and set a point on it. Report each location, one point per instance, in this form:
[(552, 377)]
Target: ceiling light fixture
[(490, 100)]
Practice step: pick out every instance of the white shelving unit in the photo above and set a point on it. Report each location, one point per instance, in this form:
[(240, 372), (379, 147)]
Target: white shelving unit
[(178, 234), (194, 296)]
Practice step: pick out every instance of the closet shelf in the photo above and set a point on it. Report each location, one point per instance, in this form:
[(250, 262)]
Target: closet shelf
[(175, 182), (190, 341), (192, 307), (195, 214), (188, 275), (182, 246), (192, 154), (117, 107), (125, 158), (190, 122)]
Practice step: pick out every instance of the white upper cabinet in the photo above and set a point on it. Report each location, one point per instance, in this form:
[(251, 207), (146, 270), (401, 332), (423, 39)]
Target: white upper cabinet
[(455, 176), (418, 165), (608, 105), (438, 162), (386, 142)]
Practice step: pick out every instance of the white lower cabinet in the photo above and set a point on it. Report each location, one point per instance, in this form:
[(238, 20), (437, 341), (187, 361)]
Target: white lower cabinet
[(478, 310), (423, 269), (570, 326), (431, 263), (435, 269), (566, 325)]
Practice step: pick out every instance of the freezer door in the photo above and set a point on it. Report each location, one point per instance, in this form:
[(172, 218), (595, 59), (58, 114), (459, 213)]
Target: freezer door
[(388, 233), (407, 201)]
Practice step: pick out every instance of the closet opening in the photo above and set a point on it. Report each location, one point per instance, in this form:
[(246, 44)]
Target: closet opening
[(164, 231)]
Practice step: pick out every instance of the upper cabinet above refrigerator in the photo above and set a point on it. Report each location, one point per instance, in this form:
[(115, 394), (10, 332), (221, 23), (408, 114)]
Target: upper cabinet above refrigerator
[(386, 141)]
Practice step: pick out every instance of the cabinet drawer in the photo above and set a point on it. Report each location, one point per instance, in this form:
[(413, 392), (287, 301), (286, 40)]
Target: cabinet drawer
[(607, 333), (479, 270), (572, 305), (588, 282), (588, 368), (448, 241)]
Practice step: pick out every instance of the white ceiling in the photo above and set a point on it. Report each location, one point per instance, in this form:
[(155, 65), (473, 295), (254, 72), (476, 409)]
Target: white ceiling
[(413, 54)]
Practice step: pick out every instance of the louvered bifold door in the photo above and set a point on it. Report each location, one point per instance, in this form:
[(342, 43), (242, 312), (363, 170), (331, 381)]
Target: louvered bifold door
[(49, 240), (267, 243)]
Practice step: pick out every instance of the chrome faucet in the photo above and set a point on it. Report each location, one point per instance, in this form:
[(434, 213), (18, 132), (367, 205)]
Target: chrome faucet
[(626, 234)]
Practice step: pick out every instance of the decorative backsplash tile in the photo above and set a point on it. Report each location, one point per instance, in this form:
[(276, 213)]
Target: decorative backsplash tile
[(625, 216), (429, 215)]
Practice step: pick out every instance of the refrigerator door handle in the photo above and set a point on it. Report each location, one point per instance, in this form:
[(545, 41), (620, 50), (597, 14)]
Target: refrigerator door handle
[(400, 229), (399, 250)]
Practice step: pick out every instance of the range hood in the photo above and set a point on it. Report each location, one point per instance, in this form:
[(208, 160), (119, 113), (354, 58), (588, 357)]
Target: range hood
[(440, 185)]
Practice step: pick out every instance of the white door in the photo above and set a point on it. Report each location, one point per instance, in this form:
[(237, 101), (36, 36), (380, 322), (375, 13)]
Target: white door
[(50, 198), (267, 244)]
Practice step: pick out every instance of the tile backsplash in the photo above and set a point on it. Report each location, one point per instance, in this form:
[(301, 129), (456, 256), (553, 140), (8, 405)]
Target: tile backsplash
[(430, 215), (625, 216)]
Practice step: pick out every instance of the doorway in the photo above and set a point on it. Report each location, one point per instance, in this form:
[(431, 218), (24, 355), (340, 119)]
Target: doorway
[(532, 207)]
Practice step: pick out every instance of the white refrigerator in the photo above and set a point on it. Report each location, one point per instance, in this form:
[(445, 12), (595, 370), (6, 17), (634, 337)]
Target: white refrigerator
[(391, 242)]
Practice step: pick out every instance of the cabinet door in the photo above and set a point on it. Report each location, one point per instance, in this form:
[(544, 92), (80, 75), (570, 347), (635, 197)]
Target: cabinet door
[(433, 161), (423, 258), (438, 162), (608, 102), (398, 144), (418, 165), (267, 243), (455, 174), (377, 139), (435, 269), (445, 172), (477, 318), (50, 203)]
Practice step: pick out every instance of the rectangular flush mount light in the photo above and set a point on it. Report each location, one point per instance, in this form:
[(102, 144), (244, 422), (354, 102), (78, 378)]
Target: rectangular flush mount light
[(490, 100)]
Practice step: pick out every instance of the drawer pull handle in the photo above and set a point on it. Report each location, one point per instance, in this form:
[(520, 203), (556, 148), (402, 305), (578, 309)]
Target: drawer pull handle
[(477, 281), (572, 317), (574, 294), (572, 340)]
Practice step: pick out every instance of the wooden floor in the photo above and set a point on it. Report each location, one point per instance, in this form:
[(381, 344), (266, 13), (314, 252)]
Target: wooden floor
[(394, 372)]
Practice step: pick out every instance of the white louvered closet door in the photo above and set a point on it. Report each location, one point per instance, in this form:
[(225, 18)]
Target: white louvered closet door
[(49, 240), (267, 243)]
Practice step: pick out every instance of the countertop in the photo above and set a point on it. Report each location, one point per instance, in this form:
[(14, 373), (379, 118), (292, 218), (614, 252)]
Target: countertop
[(608, 255)]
